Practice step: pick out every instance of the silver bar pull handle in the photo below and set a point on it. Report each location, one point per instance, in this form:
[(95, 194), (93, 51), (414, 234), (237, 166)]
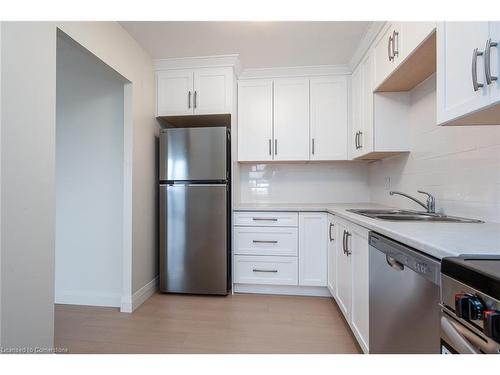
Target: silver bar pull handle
[(487, 61), (195, 98), (360, 139), (389, 45), (263, 241), (343, 241), (347, 251), (189, 99), (275, 146), (313, 146), (269, 271), (395, 52), (270, 147), (356, 141), (264, 219), (330, 232), (475, 84)]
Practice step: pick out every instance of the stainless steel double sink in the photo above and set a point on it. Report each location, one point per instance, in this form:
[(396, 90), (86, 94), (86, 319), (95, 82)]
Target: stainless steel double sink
[(409, 215)]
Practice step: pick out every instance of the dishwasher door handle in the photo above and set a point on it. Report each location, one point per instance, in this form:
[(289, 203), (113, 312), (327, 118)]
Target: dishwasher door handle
[(398, 266)]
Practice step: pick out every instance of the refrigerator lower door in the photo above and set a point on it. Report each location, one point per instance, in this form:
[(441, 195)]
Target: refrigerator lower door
[(193, 239)]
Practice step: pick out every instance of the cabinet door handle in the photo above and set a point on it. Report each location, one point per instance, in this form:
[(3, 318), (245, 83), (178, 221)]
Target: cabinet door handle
[(189, 99), (275, 146), (389, 45), (347, 252), (270, 146), (360, 140), (395, 52), (313, 146), (264, 241), (487, 61), (356, 140), (475, 84), (343, 241), (330, 232), (259, 270), (195, 98)]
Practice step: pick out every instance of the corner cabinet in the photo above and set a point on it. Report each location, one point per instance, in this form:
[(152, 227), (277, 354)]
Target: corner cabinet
[(293, 119), (204, 91), (352, 278), (467, 65)]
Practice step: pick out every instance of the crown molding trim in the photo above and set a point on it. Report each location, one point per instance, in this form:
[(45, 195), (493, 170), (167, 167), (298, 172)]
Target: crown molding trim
[(367, 40), (199, 62), (295, 71)]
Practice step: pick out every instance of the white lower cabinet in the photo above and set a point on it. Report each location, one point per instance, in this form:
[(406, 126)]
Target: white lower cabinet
[(265, 270), (312, 248), (352, 278), (332, 257)]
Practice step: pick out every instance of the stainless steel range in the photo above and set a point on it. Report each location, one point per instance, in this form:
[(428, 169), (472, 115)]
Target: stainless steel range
[(470, 305)]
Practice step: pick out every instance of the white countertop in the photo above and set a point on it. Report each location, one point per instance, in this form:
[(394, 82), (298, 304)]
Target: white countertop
[(434, 238)]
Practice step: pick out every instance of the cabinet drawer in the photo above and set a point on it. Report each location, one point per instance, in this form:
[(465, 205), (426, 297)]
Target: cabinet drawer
[(265, 241), (268, 219), (265, 270)]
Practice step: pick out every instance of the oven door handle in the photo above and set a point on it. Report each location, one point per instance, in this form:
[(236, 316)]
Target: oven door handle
[(462, 340)]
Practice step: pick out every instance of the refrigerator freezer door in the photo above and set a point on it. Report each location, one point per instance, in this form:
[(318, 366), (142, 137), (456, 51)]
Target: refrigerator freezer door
[(193, 239), (190, 154)]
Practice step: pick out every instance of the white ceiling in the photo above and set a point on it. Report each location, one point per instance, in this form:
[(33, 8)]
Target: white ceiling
[(259, 44)]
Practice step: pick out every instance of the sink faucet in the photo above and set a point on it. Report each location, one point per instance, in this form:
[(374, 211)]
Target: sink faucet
[(430, 207)]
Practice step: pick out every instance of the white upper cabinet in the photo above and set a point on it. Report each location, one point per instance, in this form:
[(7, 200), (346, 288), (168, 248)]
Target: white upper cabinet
[(412, 35), (174, 92), (329, 118), (201, 91), (212, 91), (255, 120), (291, 119), (386, 53), (466, 62), (313, 228)]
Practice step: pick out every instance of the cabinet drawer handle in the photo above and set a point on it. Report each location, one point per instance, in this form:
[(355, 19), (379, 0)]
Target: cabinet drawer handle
[(262, 241), (268, 271), (264, 219), (487, 61), (189, 99), (475, 84)]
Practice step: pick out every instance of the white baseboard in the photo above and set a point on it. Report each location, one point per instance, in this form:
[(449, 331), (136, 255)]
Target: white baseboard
[(129, 304), (68, 297), (317, 291)]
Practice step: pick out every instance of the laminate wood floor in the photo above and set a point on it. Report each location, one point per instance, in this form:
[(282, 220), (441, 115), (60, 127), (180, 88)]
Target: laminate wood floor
[(241, 323)]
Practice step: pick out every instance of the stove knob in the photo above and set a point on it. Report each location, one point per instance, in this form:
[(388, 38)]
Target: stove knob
[(491, 324), (468, 307)]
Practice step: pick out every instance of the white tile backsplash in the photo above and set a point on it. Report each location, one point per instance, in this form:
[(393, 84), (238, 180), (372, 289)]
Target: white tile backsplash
[(459, 165), (334, 182)]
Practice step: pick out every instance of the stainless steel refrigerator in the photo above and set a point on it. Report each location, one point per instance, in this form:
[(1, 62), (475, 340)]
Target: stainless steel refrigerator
[(194, 210)]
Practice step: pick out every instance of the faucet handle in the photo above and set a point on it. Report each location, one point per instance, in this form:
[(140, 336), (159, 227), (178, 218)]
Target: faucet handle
[(431, 201), (426, 193)]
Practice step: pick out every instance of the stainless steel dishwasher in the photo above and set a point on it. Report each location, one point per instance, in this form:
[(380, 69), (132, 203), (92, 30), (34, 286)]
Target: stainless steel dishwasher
[(404, 298)]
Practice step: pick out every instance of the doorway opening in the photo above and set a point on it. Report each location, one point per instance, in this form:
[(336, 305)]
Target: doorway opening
[(92, 195)]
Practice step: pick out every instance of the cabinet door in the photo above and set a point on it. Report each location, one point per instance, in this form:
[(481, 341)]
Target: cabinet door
[(494, 86), (174, 93), (344, 271), (213, 91), (255, 120), (412, 35), (312, 249), (456, 42), (367, 132), (360, 284), (329, 125), (332, 256), (291, 119), (356, 110), (384, 55)]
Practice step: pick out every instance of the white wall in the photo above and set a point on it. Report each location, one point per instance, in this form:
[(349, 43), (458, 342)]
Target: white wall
[(89, 178), (459, 165), (304, 182), (28, 168)]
